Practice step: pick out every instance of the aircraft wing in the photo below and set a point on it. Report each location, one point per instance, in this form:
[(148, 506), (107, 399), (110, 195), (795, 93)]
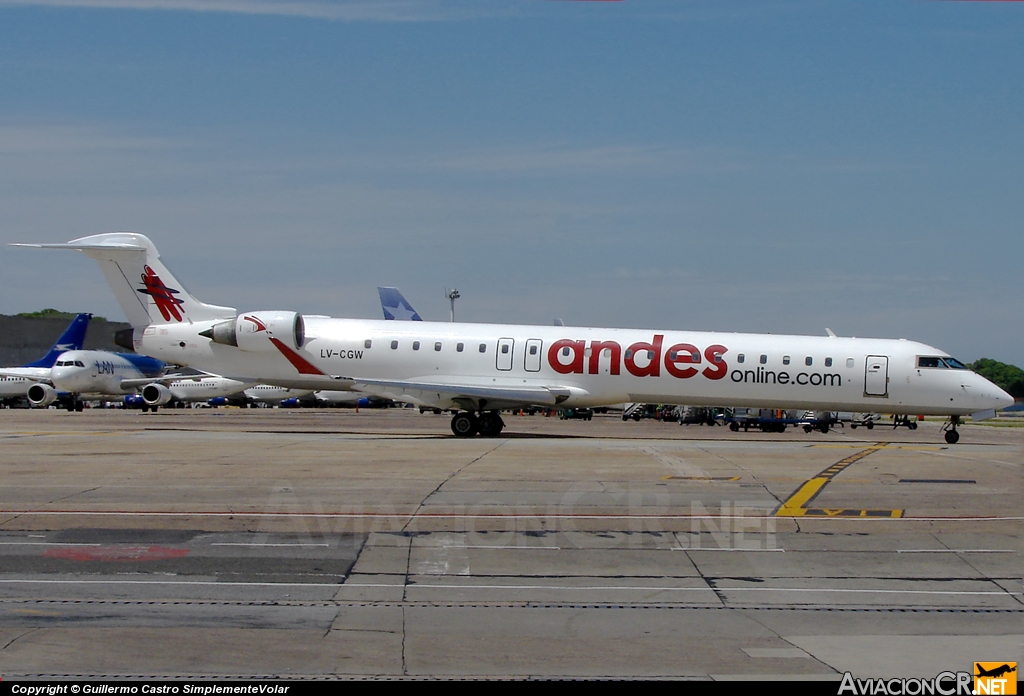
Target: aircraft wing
[(166, 379), (24, 374), (479, 395)]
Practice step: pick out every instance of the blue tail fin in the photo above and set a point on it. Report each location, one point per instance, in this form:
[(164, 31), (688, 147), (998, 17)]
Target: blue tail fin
[(395, 306), (72, 339)]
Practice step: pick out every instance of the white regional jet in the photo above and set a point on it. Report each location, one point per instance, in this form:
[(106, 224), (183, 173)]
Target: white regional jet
[(482, 368)]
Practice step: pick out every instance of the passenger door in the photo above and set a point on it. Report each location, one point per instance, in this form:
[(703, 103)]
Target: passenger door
[(876, 375), (534, 347)]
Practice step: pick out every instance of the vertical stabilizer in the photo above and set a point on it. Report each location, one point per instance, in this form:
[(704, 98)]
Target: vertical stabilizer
[(145, 289), (395, 306), (72, 339)]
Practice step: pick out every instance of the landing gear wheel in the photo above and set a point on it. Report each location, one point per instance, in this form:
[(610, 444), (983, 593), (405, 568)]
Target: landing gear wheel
[(79, 406), (870, 425), (488, 425), (952, 437), (464, 425), (154, 408), (145, 408), (912, 425), (71, 407)]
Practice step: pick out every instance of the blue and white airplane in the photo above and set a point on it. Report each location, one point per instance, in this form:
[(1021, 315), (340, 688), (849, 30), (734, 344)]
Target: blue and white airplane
[(395, 306), (16, 381)]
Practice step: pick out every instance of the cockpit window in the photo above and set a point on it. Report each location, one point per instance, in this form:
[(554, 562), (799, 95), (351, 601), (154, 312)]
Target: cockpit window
[(930, 362), (954, 363), (79, 363)]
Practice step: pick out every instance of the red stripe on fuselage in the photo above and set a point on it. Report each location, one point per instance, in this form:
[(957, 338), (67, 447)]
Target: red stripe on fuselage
[(301, 364)]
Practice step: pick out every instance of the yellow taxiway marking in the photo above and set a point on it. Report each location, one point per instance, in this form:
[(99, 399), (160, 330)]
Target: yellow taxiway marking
[(796, 504)]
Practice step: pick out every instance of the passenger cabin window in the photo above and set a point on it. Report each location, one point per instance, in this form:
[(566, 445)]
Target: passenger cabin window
[(650, 355), (367, 343), (533, 350), (437, 346), (828, 362), (504, 348), (808, 361), (415, 345), (718, 357), (785, 359), (459, 347), (394, 345), (849, 362), (741, 358), (764, 359), (629, 353), (483, 347), (565, 351)]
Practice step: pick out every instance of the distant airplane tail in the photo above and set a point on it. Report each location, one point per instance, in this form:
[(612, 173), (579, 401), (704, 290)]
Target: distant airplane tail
[(72, 339), (145, 289), (395, 306)]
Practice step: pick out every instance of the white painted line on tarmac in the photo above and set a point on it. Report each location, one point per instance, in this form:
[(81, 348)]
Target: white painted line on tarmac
[(41, 543), (955, 551), (680, 548)]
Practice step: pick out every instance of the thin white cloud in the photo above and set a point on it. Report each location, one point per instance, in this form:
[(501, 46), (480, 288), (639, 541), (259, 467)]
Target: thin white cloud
[(341, 10), (611, 158), (57, 138)]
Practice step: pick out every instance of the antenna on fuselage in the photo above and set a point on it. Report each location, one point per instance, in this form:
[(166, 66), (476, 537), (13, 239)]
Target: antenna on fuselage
[(452, 295)]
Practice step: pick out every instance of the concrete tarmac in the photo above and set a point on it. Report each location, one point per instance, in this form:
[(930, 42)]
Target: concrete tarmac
[(308, 543)]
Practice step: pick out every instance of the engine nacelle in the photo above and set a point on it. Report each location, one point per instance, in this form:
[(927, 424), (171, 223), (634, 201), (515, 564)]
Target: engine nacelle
[(156, 395), (252, 331), (41, 395)]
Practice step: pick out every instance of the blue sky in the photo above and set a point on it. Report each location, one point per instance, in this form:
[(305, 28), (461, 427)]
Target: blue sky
[(736, 166)]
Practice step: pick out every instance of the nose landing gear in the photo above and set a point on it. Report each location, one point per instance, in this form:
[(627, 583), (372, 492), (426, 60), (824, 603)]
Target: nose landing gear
[(952, 436)]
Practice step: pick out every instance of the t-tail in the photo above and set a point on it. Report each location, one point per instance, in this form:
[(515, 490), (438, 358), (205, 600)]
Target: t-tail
[(145, 289), (72, 339)]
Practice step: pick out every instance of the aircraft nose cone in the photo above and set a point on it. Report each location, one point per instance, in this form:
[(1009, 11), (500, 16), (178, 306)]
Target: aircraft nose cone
[(1004, 399)]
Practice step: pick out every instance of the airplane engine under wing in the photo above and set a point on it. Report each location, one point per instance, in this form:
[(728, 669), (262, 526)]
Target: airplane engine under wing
[(156, 395), (257, 331), (41, 395)]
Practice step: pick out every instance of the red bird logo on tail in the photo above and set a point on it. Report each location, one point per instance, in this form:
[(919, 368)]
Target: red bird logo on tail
[(163, 296)]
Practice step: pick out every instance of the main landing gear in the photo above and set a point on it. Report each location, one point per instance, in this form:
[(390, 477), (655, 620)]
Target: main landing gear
[(952, 436), (487, 424), (897, 421)]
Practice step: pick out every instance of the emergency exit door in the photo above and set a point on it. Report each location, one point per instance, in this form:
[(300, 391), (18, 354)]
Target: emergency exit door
[(504, 359)]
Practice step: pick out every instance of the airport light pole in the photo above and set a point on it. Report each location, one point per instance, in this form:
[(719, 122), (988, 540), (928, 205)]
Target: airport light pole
[(452, 295)]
